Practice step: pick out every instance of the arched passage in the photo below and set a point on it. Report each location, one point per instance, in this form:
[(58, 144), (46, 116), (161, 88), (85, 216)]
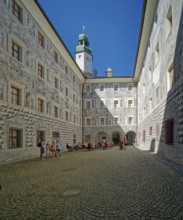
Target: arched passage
[(116, 138), (131, 137)]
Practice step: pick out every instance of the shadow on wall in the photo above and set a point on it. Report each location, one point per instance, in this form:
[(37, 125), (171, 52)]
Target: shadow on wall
[(171, 137), (104, 121)]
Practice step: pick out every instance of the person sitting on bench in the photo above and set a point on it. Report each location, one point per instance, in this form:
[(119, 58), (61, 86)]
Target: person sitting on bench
[(69, 148)]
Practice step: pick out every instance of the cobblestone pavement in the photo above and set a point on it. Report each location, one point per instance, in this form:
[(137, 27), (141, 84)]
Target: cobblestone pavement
[(100, 184)]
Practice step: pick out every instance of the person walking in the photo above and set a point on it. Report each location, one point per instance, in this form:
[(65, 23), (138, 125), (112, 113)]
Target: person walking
[(58, 147), (47, 150), (121, 146), (42, 149), (53, 149)]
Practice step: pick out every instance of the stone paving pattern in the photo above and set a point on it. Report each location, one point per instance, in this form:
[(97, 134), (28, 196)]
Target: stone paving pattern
[(100, 184)]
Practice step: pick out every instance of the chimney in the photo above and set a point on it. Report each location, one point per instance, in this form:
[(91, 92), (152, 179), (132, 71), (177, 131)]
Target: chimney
[(108, 72)]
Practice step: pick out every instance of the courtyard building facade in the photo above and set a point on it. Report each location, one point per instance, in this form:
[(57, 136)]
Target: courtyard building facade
[(46, 94)]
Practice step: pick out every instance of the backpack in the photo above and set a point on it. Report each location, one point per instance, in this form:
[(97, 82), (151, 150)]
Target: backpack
[(39, 144)]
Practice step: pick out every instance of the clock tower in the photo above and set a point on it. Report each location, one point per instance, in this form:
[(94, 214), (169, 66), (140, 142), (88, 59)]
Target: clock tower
[(84, 55)]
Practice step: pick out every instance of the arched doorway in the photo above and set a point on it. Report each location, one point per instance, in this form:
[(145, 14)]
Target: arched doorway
[(101, 136), (115, 138), (131, 137)]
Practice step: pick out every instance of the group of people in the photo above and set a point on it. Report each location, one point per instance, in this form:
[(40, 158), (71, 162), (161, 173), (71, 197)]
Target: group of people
[(83, 145), (123, 144), (52, 150)]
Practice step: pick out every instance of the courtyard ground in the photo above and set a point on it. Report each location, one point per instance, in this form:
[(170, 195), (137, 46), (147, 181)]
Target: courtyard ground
[(99, 184)]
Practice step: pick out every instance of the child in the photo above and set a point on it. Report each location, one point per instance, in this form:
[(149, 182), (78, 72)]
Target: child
[(53, 149), (47, 151)]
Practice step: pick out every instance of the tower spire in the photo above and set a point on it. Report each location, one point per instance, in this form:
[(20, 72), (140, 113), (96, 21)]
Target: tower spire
[(84, 56)]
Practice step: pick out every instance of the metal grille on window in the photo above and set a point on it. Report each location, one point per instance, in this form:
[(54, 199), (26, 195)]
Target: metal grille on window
[(14, 138)]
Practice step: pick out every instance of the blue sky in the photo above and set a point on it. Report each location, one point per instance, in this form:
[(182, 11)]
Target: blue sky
[(112, 27)]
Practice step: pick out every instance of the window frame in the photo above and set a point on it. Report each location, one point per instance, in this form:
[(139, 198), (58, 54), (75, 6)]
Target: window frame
[(102, 86), (40, 105), (17, 10), (87, 88), (16, 101), (55, 111), (41, 39), (16, 52), (114, 86), (14, 138), (55, 56), (40, 70)]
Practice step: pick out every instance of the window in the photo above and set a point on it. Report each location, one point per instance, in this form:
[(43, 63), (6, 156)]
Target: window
[(15, 51), (40, 104), (169, 124), (40, 70), (66, 69), (56, 111), (87, 88), (130, 103), (170, 78), (41, 39), (101, 88), (16, 10), (15, 138), (168, 21), (74, 138), (74, 97), (130, 120), (150, 130), (55, 135), (55, 55), (129, 87), (157, 95), (88, 138), (102, 104), (74, 78), (116, 87), (66, 91), (144, 88), (55, 83), (66, 116), (115, 103), (88, 121), (74, 118), (156, 54), (108, 121), (15, 95), (150, 73), (88, 105), (150, 105), (102, 121), (116, 121)]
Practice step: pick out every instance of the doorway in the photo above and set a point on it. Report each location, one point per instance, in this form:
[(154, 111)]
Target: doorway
[(116, 138)]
